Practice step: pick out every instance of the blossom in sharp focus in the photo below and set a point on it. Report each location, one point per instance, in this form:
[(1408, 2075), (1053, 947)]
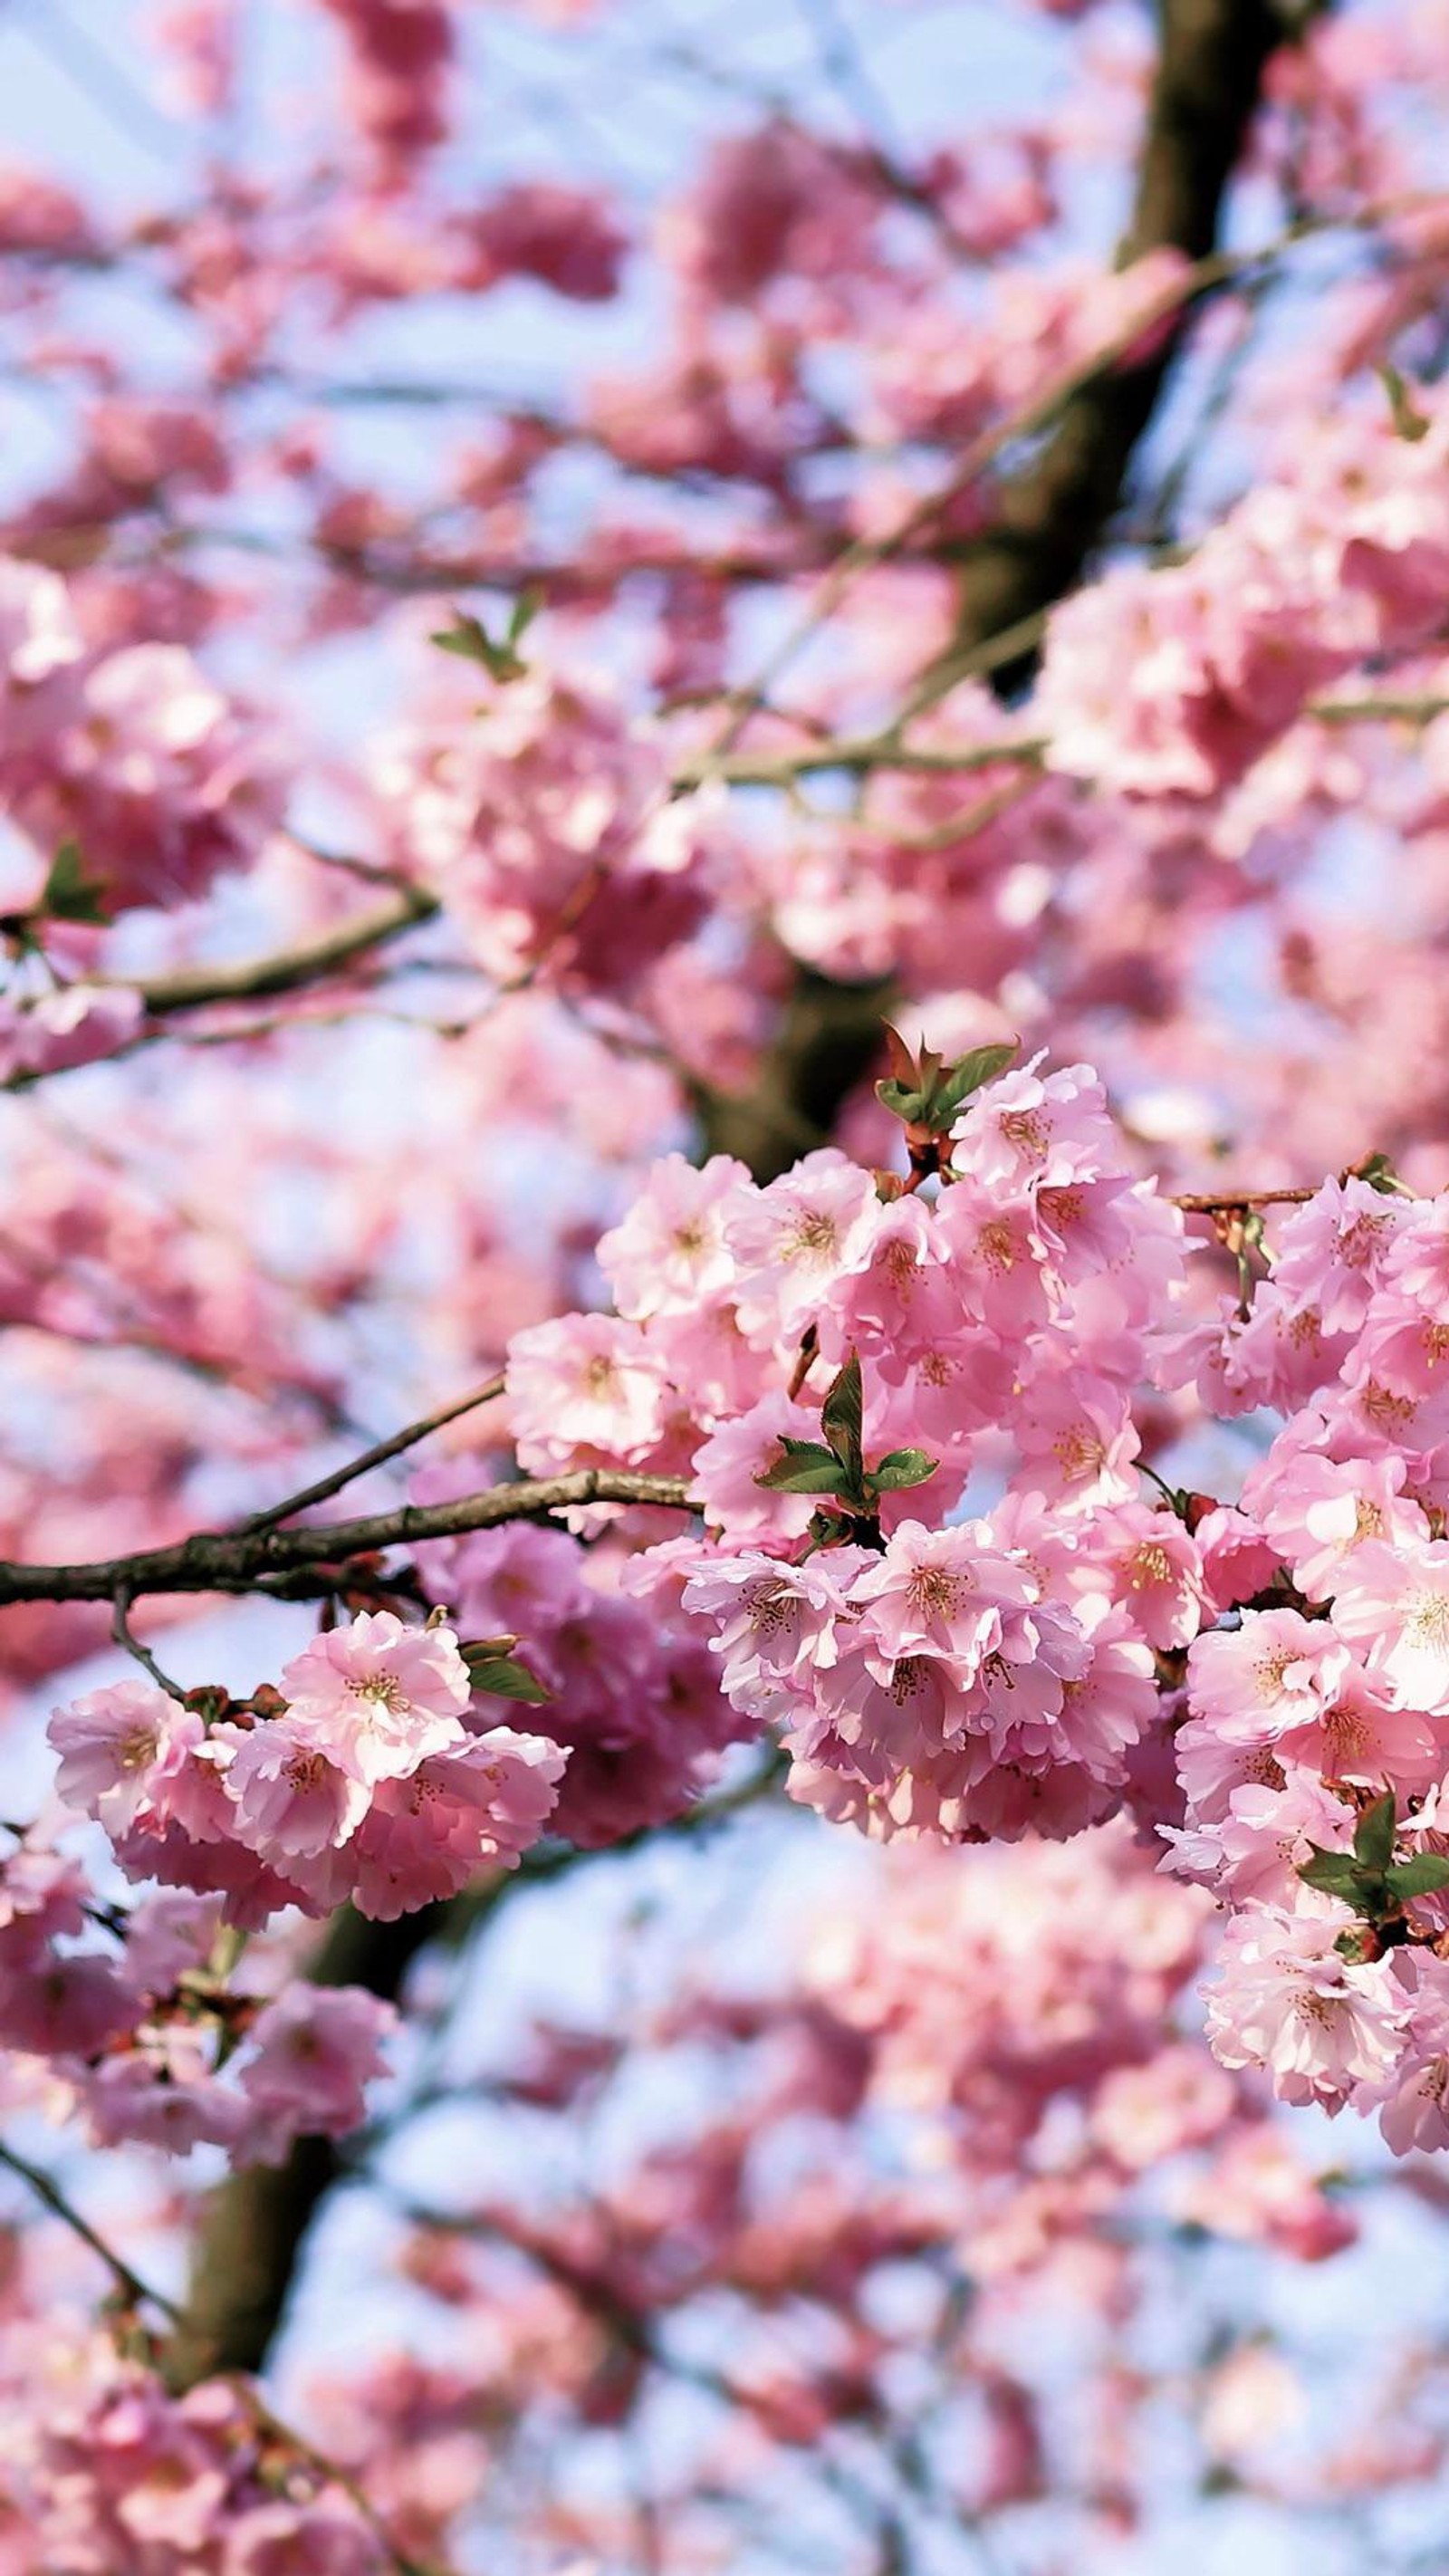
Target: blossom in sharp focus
[(1285, 2002), (120, 1748), (377, 1697)]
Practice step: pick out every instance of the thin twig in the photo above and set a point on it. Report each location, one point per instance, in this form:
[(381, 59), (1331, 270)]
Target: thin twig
[(192, 988), (137, 2292), (125, 1637), (377, 1456), (859, 753), (1232, 1202), (1225, 1202), (268, 2421), (1385, 710)]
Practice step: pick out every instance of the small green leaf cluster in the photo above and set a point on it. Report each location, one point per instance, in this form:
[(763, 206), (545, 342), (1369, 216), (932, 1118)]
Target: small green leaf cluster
[(836, 1466), (469, 638), (1380, 1175), (493, 1666), (1409, 421), (1368, 1879), (69, 894), (925, 1092)]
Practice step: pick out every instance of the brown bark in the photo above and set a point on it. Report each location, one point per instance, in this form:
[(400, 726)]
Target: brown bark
[(247, 2255), (1048, 519), (1207, 84), (313, 1561)]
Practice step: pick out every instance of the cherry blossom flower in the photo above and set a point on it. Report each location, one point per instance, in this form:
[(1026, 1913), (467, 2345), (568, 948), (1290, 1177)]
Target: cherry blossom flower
[(586, 1382), (798, 1238), (427, 1834), (310, 2056), (1394, 1603), (1286, 2002), (670, 1254), (375, 1697), (120, 1750), (290, 1795), (1275, 1670)]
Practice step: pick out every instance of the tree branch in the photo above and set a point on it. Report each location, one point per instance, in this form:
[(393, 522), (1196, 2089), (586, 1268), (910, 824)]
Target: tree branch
[(1050, 515), (191, 988), (1204, 94), (378, 1456), (135, 2292), (243, 1560)]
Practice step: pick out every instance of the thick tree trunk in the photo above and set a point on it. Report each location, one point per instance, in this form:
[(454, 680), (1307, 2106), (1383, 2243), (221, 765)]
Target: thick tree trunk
[(1207, 85), (248, 2250)]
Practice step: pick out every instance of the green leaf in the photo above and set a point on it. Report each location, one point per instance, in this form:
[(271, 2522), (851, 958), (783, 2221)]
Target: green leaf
[(1373, 1835), (902, 1102), (1334, 1874), (900, 1468), (935, 1091), (525, 608), (903, 1062), (69, 894), (503, 1675), (966, 1075), (468, 639), (1380, 1175), (471, 641), (841, 1418), (822, 1475), (1409, 421), (1424, 1875)]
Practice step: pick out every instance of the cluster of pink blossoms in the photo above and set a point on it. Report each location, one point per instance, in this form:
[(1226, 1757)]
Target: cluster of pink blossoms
[(778, 209), (1009, 1658), (1172, 683), (634, 1696), (983, 2012), (543, 821), (1329, 1693), (912, 1419), (986, 1677), (376, 1780), (400, 53), (133, 755), (126, 2476), (937, 1685), (128, 2020), (375, 1776)]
